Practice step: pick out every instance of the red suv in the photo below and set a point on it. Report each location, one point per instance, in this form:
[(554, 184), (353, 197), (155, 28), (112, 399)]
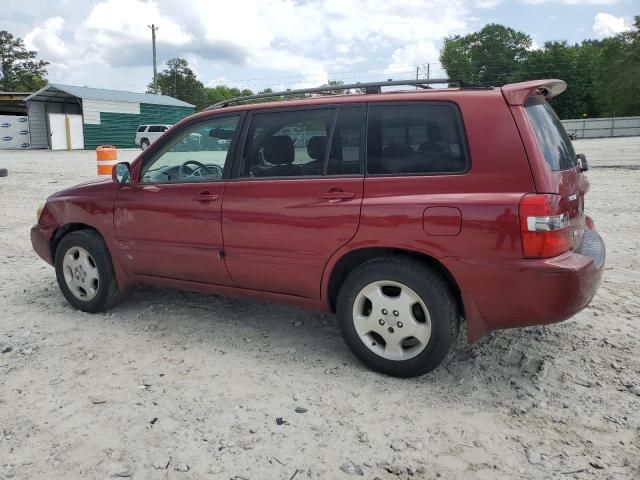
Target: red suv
[(403, 212)]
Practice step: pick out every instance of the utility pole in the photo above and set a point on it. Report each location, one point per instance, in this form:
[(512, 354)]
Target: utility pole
[(155, 69)]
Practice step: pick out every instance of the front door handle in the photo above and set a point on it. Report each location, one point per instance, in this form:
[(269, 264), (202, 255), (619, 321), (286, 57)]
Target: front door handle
[(206, 197), (337, 195)]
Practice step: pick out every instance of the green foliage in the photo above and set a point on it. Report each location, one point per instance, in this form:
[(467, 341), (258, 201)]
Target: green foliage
[(336, 83), (601, 76), (575, 65), (616, 85), (177, 80), (222, 92), (20, 71), (488, 57)]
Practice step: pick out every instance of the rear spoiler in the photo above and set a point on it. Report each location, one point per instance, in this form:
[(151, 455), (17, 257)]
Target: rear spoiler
[(517, 93)]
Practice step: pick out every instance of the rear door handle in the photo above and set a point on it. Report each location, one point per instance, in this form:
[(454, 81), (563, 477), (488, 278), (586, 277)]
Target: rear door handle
[(337, 195), (205, 197)]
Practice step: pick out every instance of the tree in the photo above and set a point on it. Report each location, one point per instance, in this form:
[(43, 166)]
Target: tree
[(601, 75), (179, 81), (336, 83), (575, 64), (491, 56), (222, 92), (616, 85), (19, 68)]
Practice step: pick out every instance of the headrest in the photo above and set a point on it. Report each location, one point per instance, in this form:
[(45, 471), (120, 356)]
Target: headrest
[(279, 150), (434, 130), (316, 147)]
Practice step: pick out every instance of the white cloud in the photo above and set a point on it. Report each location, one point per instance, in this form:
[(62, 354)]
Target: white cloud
[(130, 19), (534, 46), (312, 72), (304, 40), (575, 2), (486, 3), (405, 59), (310, 37), (46, 39), (605, 25)]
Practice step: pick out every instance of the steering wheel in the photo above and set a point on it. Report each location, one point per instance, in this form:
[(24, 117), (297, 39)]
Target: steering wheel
[(213, 169)]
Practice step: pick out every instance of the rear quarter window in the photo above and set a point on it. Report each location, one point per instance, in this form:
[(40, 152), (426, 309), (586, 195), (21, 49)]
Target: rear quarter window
[(420, 138), (142, 128), (554, 142)]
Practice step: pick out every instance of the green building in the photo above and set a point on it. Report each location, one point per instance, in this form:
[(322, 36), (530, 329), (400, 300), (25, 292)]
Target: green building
[(70, 117)]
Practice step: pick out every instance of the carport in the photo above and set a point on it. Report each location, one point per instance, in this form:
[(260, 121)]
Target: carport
[(72, 117)]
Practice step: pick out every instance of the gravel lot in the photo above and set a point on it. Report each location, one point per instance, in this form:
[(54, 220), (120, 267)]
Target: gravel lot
[(179, 385)]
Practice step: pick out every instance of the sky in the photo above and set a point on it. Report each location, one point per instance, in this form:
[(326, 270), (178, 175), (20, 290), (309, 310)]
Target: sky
[(282, 43)]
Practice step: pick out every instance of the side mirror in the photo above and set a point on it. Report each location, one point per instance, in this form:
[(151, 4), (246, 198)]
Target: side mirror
[(121, 173), (582, 162)]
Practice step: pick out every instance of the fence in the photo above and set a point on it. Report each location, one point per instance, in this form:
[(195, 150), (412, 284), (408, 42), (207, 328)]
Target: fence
[(603, 127)]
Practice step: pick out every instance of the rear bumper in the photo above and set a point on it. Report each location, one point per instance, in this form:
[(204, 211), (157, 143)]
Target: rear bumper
[(524, 292), (41, 242)]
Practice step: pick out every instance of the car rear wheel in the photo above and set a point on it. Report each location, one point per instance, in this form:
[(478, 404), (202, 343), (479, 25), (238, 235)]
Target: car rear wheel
[(84, 271), (397, 316), (144, 144)]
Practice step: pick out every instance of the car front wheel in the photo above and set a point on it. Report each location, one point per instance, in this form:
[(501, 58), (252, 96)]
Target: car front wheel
[(84, 271), (397, 316)]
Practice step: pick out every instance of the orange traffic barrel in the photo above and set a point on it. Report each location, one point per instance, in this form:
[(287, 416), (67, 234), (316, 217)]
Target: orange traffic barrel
[(107, 156)]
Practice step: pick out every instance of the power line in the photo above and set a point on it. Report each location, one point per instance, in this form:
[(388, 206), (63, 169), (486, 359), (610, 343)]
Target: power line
[(427, 70)]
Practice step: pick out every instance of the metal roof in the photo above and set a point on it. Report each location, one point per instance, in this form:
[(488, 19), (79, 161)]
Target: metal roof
[(55, 91)]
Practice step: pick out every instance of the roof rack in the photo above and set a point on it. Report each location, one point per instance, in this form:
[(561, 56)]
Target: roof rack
[(369, 88)]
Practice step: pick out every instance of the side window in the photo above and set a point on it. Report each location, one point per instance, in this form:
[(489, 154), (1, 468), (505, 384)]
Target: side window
[(141, 128), (287, 144), (157, 128), (346, 144), (415, 139), (198, 154)]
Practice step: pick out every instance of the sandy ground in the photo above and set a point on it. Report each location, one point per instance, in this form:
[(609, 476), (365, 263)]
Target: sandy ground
[(178, 385)]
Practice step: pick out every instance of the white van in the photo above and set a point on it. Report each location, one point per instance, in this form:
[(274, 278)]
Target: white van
[(147, 134)]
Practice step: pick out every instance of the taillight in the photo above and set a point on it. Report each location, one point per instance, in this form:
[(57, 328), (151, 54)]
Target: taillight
[(543, 226)]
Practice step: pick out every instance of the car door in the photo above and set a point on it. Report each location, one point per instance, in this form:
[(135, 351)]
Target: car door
[(295, 197), (168, 222)]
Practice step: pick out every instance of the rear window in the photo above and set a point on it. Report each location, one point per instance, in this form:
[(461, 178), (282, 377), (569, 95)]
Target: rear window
[(553, 139), (421, 138)]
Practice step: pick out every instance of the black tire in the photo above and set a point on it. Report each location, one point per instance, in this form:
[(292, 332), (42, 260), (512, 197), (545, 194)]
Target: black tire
[(433, 292), (144, 144), (107, 292), (4, 172)]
